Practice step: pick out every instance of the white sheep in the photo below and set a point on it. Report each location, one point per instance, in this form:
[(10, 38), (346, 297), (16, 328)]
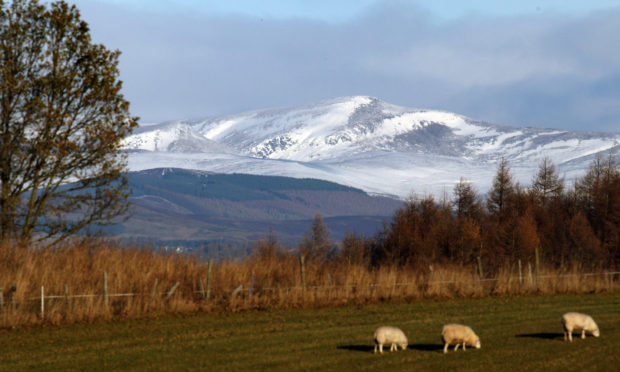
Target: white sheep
[(460, 335), (390, 335), (575, 321)]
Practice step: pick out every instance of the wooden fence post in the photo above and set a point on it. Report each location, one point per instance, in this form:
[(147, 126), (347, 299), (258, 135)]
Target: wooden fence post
[(13, 300), (154, 291), (520, 276), (480, 268), (67, 294), (42, 302), (251, 285), (537, 265), (236, 291), (302, 269), (209, 279), (171, 291), (201, 287), (105, 287), (529, 269)]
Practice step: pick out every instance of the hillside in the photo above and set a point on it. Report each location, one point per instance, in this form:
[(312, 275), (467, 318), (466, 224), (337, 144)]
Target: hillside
[(195, 206)]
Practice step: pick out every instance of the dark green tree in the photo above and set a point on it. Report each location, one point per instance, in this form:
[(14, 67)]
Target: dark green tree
[(62, 119)]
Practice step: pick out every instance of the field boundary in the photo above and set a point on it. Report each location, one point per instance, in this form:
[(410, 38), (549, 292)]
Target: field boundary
[(530, 282)]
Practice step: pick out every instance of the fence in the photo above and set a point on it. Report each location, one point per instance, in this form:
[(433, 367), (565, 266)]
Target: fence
[(527, 282)]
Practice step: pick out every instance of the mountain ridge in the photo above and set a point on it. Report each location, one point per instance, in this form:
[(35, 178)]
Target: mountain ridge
[(365, 143)]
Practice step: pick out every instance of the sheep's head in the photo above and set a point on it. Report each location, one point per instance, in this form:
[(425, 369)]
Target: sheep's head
[(477, 343), (596, 333), (403, 345)]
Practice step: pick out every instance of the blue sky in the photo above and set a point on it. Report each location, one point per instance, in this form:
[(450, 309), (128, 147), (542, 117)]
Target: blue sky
[(345, 10), (529, 63)]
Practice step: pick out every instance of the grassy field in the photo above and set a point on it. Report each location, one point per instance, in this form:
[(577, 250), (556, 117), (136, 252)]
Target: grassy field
[(518, 333)]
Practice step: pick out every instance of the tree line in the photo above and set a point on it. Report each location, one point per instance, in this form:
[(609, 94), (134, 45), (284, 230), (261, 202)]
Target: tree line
[(559, 225)]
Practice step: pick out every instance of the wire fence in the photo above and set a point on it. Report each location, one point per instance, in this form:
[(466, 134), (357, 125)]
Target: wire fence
[(204, 294)]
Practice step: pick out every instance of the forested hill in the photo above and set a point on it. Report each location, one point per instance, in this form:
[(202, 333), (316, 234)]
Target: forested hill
[(170, 204)]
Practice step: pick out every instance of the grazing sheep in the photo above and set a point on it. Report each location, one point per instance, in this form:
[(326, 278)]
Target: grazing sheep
[(460, 335), (575, 321), (390, 335)]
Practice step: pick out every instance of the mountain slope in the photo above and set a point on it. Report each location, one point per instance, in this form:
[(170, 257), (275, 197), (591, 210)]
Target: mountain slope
[(178, 204), (366, 143)]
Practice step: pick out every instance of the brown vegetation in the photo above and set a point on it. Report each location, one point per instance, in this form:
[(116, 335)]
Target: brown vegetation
[(275, 275)]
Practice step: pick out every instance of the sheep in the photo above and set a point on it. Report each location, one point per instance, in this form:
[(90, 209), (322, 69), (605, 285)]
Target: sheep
[(575, 321), (459, 334), (389, 335)]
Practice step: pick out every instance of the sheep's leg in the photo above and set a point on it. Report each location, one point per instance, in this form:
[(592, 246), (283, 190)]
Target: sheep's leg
[(380, 348), (392, 347), (457, 347), (445, 348), (464, 348), (375, 348), (570, 336), (583, 333), (565, 335)]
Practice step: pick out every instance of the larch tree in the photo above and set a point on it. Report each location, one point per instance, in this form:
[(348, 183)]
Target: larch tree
[(547, 184), (502, 191), (466, 200), (599, 193), (316, 244), (62, 119)]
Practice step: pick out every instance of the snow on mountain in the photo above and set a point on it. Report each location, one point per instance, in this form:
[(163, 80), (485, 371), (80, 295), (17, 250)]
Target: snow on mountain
[(366, 143), (172, 137)]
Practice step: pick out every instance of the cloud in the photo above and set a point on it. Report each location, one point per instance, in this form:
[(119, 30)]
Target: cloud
[(541, 70)]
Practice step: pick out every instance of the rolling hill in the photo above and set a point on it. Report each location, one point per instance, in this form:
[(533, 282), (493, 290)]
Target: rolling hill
[(193, 208)]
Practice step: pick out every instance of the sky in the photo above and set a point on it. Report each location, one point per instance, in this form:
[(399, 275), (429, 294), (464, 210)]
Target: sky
[(553, 63)]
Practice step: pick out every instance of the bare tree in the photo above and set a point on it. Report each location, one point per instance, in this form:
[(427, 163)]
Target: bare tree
[(62, 118)]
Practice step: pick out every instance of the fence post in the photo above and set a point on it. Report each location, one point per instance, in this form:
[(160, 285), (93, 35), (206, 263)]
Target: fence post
[(201, 286), (13, 300), (236, 291), (67, 293), (154, 291), (537, 265), (105, 287), (42, 302), (520, 275), (171, 291), (529, 269), (209, 279), (302, 269), (251, 285), (480, 268), (608, 280)]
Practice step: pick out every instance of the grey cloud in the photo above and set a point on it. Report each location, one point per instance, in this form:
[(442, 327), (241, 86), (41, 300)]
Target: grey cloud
[(542, 70)]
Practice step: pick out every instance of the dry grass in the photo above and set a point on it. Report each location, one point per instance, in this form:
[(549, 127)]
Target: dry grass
[(78, 270)]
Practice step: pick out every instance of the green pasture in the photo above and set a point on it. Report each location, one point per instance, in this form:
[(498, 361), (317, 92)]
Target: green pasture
[(517, 334)]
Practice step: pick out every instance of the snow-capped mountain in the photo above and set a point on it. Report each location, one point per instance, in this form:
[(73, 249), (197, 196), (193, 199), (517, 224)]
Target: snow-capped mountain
[(366, 143), (172, 137)]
